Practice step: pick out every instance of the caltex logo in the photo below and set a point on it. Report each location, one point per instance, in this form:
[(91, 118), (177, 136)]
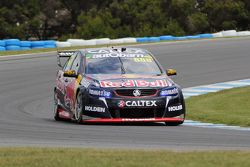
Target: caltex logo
[(121, 104)]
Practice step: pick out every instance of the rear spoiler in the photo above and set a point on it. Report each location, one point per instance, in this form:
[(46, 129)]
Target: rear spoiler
[(64, 54)]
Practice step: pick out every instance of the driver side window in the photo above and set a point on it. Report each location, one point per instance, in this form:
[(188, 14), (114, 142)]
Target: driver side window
[(69, 62), (76, 63)]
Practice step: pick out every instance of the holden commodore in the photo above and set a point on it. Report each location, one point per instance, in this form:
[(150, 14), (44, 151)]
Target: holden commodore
[(115, 85)]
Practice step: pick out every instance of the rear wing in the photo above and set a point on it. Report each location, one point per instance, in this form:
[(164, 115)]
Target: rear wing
[(64, 54)]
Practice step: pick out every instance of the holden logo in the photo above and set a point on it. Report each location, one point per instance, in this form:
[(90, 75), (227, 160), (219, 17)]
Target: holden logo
[(121, 104), (136, 92)]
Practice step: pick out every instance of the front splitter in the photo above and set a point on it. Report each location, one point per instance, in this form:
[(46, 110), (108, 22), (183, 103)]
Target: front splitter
[(120, 120)]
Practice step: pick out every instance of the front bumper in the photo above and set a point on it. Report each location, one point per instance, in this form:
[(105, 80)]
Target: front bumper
[(149, 109)]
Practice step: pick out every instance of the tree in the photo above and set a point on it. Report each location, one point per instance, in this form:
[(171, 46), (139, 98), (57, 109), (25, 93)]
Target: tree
[(225, 14)]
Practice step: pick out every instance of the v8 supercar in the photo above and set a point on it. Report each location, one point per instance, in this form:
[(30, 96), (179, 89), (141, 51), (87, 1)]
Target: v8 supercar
[(116, 85)]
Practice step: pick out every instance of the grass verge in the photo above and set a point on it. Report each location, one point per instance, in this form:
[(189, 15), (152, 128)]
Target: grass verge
[(229, 107), (68, 157)]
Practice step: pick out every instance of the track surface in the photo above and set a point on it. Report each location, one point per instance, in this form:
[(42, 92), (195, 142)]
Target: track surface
[(26, 86)]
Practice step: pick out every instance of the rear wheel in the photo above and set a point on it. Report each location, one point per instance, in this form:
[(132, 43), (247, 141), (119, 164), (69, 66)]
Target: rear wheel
[(56, 107), (78, 108)]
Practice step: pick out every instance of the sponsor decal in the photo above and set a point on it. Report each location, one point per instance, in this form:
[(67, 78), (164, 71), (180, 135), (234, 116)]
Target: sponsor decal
[(99, 92), (169, 92), (130, 55), (138, 119), (139, 103), (147, 59), (102, 51), (121, 104), (175, 108), (88, 56), (135, 83), (94, 109)]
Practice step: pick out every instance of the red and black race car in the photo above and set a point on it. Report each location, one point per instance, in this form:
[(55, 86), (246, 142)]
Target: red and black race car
[(116, 85)]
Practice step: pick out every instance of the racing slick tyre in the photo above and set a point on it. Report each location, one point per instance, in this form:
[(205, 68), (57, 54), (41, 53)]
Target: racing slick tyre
[(78, 108), (56, 107)]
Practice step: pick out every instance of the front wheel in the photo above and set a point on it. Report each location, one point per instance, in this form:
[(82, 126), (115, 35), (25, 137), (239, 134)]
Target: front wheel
[(78, 108)]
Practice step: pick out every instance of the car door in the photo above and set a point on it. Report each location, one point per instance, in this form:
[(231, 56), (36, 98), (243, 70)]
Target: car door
[(62, 82), (72, 83)]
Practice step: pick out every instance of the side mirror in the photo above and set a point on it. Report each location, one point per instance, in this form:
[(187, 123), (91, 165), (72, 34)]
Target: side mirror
[(171, 72), (70, 73)]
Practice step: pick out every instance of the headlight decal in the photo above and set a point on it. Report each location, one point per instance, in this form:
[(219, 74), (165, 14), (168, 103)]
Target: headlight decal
[(173, 91), (99, 92)]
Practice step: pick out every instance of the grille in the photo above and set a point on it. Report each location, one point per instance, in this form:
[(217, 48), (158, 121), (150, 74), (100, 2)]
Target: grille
[(137, 113), (129, 92)]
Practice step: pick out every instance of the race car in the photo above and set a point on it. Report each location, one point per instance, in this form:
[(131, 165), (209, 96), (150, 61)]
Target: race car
[(116, 85)]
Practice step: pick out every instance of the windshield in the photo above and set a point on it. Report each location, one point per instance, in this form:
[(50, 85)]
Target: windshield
[(122, 65)]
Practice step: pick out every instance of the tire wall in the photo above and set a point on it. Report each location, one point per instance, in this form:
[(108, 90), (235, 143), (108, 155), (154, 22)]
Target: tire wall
[(16, 44)]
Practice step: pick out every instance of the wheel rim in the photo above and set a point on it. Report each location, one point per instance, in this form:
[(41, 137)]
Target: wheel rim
[(78, 108)]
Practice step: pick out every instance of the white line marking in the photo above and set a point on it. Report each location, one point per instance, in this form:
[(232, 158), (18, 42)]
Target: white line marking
[(239, 83), (199, 90), (219, 87)]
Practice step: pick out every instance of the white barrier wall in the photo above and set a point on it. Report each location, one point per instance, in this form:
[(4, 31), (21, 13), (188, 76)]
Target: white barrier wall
[(243, 33), (63, 44), (229, 33)]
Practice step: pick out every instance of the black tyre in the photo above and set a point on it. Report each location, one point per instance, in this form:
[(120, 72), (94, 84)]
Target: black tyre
[(78, 108), (56, 107)]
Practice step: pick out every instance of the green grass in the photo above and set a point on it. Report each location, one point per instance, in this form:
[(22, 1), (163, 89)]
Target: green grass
[(69, 157), (231, 107)]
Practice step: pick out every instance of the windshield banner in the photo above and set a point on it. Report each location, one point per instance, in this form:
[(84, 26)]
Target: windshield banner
[(135, 83)]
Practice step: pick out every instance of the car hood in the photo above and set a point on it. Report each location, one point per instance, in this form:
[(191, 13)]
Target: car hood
[(131, 80)]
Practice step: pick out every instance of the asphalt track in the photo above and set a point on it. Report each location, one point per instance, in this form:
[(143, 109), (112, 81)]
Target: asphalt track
[(26, 91)]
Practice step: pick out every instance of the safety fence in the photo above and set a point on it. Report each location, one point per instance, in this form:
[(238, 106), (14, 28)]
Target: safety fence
[(16, 44)]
